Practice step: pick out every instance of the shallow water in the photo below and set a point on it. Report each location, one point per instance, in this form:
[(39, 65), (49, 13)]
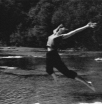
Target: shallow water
[(28, 83)]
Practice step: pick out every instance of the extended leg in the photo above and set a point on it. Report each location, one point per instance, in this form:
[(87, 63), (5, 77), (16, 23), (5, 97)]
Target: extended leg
[(71, 74), (87, 83)]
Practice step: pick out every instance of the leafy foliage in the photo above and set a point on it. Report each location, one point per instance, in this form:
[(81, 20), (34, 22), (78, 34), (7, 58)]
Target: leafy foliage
[(30, 22)]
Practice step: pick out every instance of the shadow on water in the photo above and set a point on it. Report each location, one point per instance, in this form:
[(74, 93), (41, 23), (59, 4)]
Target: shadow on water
[(21, 75), (87, 97), (13, 74), (24, 63)]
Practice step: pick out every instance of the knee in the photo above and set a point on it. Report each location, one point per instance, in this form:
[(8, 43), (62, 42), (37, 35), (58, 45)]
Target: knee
[(72, 74), (49, 72)]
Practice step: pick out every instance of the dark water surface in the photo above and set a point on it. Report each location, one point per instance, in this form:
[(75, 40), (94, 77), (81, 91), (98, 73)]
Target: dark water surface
[(23, 80)]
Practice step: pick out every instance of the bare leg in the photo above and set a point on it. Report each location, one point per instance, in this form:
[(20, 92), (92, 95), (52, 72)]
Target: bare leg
[(87, 83), (55, 78)]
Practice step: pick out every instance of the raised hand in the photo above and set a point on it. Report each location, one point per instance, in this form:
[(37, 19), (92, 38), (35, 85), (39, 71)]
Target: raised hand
[(92, 25), (60, 26)]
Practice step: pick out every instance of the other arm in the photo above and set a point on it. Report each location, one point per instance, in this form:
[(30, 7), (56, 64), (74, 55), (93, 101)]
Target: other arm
[(90, 24), (55, 30)]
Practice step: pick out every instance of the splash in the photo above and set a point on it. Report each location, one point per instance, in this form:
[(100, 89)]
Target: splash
[(36, 103), (11, 57), (98, 59), (7, 67)]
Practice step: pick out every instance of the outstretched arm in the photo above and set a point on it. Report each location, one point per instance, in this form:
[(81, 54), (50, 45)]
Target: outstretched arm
[(90, 24)]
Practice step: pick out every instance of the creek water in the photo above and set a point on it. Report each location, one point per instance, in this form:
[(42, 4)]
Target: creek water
[(23, 80)]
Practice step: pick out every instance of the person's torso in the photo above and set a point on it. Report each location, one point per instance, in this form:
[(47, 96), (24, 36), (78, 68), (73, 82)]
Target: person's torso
[(54, 41)]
